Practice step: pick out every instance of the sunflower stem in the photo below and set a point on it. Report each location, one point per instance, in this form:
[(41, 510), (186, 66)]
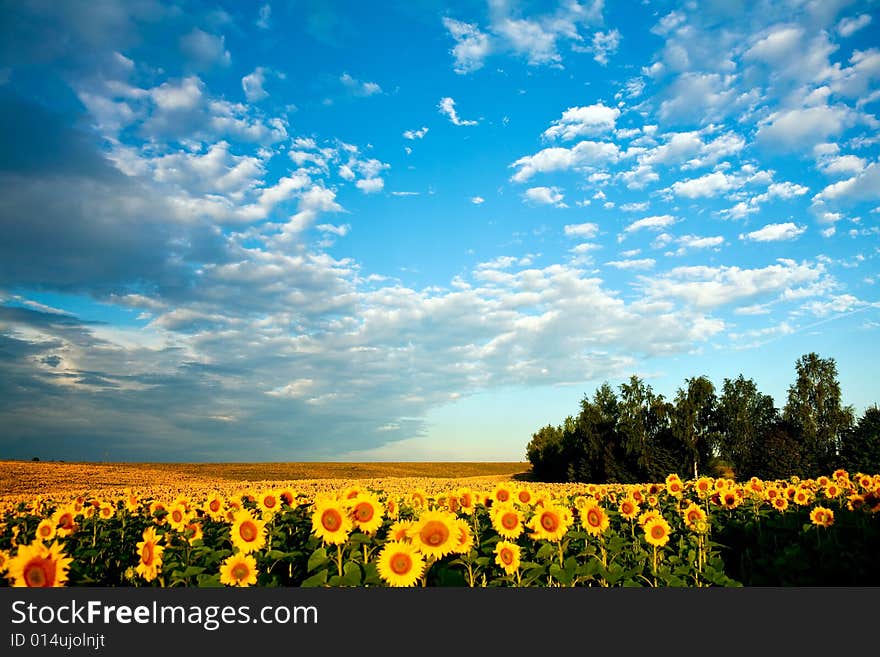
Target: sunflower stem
[(339, 558)]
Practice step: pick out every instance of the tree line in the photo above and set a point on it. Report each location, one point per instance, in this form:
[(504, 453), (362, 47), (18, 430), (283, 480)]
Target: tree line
[(633, 434)]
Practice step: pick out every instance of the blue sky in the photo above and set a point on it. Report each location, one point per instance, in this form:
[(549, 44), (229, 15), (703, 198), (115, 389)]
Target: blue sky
[(326, 231)]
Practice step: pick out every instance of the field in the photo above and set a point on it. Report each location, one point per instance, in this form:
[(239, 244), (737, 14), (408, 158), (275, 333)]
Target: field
[(425, 524)]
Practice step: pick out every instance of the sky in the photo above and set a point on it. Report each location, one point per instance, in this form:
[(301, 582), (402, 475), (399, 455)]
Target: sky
[(416, 231)]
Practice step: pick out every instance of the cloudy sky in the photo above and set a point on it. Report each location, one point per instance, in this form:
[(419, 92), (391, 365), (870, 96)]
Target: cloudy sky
[(313, 230)]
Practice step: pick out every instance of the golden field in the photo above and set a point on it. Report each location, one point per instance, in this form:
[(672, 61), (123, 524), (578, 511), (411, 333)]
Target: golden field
[(26, 478)]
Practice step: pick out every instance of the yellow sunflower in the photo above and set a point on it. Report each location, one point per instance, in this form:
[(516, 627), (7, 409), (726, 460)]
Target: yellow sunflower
[(523, 496), (550, 523), (149, 555), (822, 517), (657, 531), (193, 532), (330, 522), (693, 515), (780, 503), (594, 519), (507, 520), (39, 566), (507, 556), (178, 517), (400, 564), (239, 570), (269, 503), (628, 508), (367, 512), (674, 486), (502, 493), (46, 530), (434, 533), (248, 533), (214, 507), (399, 531), (65, 520), (467, 501), (465, 538), (704, 486), (287, 496)]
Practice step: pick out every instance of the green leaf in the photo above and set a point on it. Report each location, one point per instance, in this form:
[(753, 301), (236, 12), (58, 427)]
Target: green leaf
[(351, 574), (318, 579), (319, 558)]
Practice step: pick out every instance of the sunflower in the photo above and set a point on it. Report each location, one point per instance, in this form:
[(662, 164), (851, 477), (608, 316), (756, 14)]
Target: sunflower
[(674, 486), (392, 508), (433, 533), (648, 516), (400, 564), (159, 512), (729, 499), (214, 507), (523, 495), (269, 503), (330, 522), (106, 511), (507, 520), (239, 570), (38, 565), (550, 523), (465, 537), (704, 486), (594, 519), (287, 496), (832, 491), (507, 556), (193, 532), (399, 531), (855, 502), (178, 517), (628, 508), (46, 530), (150, 555), (248, 533), (693, 515), (132, 502), (780, 503), (65, 521), (467, 501), (657, 532), (802, 496), (822, 517), (367, 512), (417, 499), (502, 493)]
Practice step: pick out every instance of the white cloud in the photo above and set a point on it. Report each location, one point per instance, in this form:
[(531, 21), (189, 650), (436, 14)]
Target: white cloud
[(803, 127), (555, 159), (842, 165), (529, 38), (687, 242), (370, 185), (477, 200), (862, 187), (252, 84), (604, 44), (359, 87), (205, 50), (471, 45), (582, 121), (340, 231), (447, 108), (585, 231), (644, 263), (546, 196), (265, 15), (709, 185), (852, 24), (652, 223), (774, 233), (415, 134)]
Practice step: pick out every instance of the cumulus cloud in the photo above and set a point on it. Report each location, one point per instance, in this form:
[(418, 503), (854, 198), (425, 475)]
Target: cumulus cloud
[(656, 222), (447, 108), (584, 231), (712, 184), (852, 24), (415, 134), (864, 186), (585, 153), (774, 233), (252, 84), (359, 87), (605, 44), (471, 45), (546, 196), (644, 263), (583, 121), (205, 50)]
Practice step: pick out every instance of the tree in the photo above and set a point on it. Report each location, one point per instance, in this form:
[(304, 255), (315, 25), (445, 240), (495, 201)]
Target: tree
[(592, 445), (860, 448), (744, 418), (815, 411), (693, 421), (544, 452)]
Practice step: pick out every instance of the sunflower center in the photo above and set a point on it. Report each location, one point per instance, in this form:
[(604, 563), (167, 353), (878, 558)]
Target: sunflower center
[(549, 522), (657, 531), (45, 530), (240, 571), (331, 520), (269, 502), (215, 506), (503, 496), (364, 512), (248, 531), (594, 518), (39, 572), (507, 556), (509, 521), (434, 533), (401, 563), (66, 521), (147, 554)]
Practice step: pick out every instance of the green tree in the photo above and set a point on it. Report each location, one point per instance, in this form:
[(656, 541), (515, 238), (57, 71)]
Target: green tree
[(860, 448), (544, 452), (693, 421), (816, 412), (744, 418)]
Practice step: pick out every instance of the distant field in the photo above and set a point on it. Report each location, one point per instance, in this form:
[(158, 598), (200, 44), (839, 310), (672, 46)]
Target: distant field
[(33, 478)]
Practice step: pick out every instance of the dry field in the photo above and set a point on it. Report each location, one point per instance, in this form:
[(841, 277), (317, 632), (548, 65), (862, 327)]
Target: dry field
[(25, 478)]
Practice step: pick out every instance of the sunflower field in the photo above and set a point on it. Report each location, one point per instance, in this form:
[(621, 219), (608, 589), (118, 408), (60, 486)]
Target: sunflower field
[(696, 533)]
